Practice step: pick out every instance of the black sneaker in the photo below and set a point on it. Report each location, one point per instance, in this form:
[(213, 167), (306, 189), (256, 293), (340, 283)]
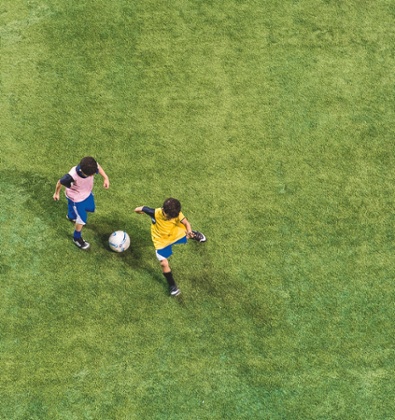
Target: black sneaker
[(70, 220), (198, 236), (81, 243), (174, 291)]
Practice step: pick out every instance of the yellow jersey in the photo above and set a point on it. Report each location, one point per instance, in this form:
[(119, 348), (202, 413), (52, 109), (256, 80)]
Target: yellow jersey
[(165, 232)]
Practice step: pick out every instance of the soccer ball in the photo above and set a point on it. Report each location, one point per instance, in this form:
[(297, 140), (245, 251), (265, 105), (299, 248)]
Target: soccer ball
[(119, 241)]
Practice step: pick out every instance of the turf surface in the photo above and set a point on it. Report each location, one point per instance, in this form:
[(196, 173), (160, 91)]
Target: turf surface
[(272, 122)]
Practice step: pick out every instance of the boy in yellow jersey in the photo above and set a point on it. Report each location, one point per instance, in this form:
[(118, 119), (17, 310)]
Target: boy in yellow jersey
[(169, 227)]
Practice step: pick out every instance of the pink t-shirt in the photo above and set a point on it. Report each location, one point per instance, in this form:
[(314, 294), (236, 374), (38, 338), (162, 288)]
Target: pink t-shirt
[(81, 188)]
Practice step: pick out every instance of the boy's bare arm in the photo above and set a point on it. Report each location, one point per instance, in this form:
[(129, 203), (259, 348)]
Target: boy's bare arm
[(188, 226), (139, 210), (106, 183), (57, 191)]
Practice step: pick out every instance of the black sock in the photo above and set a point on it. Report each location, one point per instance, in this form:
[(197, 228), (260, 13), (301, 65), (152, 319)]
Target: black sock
[(169, 278)]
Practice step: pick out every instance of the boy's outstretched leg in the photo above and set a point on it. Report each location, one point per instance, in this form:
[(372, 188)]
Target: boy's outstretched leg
[(166, 270)]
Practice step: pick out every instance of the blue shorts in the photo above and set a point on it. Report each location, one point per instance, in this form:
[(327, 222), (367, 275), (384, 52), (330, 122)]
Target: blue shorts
[(166, 252), (79, 211)]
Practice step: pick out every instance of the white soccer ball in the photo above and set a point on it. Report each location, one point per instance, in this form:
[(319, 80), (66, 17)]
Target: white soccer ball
[(119, 241)]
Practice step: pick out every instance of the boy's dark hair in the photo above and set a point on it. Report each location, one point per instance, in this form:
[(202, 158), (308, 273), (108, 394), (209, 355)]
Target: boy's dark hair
[(88, 165), (172, 207)]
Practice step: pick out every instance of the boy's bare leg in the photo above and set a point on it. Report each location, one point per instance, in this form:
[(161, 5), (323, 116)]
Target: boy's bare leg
[(165, 266), (78, 227)]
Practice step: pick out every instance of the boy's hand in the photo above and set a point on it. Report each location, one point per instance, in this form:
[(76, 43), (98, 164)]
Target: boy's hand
[(106, 183), (190, 235), (139, 210), (56, 196)]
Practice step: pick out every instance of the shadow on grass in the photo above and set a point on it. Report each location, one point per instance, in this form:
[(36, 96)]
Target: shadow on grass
[(139, 240)]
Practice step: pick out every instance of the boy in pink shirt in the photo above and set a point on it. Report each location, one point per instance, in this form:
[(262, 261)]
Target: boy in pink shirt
[(79, 184)]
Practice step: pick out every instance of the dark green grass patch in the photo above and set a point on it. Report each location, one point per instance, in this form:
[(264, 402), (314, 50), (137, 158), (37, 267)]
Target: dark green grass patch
[(272, 122)]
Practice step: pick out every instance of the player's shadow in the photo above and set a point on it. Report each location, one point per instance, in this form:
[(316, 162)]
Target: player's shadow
[(203, 279), (140, 241), (104, 226)]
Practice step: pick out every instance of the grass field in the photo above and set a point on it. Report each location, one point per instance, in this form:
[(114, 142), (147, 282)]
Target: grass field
[(273, 123)]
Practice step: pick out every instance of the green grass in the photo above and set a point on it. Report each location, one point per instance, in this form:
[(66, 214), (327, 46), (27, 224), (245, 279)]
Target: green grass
[(272, 122)]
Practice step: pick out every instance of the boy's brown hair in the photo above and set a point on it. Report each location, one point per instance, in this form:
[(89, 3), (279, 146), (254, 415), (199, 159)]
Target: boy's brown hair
[(172, 207), (88, 165)]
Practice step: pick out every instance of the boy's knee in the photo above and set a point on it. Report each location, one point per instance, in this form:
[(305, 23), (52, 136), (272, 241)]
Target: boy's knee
[(164, 263)]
